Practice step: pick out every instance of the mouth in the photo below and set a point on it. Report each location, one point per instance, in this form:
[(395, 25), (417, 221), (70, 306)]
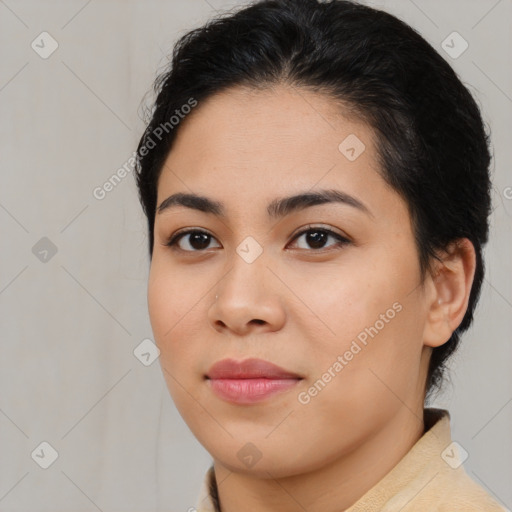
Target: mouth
[(249, 381)]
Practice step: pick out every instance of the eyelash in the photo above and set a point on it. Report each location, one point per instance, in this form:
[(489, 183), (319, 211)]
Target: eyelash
[(342, 241)]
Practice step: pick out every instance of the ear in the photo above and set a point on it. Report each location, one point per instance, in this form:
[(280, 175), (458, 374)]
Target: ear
[(449, 289)]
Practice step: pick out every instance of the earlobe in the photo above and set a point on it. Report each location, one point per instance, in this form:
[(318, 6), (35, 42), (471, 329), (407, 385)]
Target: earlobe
[(450, 287)]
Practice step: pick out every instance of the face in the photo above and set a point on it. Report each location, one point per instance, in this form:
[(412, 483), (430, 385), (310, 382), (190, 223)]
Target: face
[(327, 290)]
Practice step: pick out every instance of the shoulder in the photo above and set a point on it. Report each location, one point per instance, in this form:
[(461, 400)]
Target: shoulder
[(452, 486), (456, 490), (431, 477)]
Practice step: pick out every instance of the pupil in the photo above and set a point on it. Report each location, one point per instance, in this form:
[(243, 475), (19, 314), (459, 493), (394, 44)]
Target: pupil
[(202, 240), (316, 238)]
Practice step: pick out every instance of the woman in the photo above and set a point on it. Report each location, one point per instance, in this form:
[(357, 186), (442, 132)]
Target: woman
[(316, 182)]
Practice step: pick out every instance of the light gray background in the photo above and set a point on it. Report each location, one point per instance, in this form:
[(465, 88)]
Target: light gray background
[(69, 326)]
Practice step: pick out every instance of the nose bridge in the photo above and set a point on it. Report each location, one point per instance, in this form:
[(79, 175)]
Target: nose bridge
[(246, 295), (248, 266), (244, 299)]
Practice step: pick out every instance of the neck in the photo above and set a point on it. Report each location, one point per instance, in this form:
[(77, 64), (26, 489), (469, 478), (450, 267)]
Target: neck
[(332, 488)]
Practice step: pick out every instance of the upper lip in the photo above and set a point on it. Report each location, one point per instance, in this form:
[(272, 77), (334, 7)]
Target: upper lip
[(248, 369)]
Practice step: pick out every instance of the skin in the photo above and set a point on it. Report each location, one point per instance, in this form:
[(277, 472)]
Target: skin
[(296, 305)]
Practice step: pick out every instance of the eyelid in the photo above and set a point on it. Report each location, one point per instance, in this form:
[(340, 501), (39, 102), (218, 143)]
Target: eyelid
[(342, 238), (176, 237), (320, 227)]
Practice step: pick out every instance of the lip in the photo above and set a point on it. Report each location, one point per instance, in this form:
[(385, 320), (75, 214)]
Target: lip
[(248, 369), (249, 381)]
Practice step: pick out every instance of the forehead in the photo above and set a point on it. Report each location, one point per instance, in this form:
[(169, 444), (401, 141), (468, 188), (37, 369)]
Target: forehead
[(245, 143), (293, 123)]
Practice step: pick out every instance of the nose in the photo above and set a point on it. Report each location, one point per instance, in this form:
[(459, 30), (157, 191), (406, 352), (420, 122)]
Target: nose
[(249, 299)]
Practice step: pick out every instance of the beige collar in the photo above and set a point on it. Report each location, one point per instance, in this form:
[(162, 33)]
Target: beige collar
[(430, 474)]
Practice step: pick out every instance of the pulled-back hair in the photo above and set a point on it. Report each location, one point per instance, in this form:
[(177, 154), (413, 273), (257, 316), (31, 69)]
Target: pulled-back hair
[(431, 141)]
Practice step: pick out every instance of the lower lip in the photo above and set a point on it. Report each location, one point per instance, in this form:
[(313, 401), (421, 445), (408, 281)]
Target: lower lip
[(249, 391)]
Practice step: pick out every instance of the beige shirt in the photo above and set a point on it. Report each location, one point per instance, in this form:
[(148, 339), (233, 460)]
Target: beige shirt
[(430, 477)]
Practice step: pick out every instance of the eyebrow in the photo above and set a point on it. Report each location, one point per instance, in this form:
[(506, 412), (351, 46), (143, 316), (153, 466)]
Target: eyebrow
[(278, 208)]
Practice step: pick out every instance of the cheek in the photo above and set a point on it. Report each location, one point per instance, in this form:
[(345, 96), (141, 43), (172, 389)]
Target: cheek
[(365, 308), (167, 301), (161, 302), (171, 297), (166, 314), (177, 309)]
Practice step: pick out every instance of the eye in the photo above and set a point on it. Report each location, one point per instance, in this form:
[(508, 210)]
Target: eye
[(199, 240), (316, 237)]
